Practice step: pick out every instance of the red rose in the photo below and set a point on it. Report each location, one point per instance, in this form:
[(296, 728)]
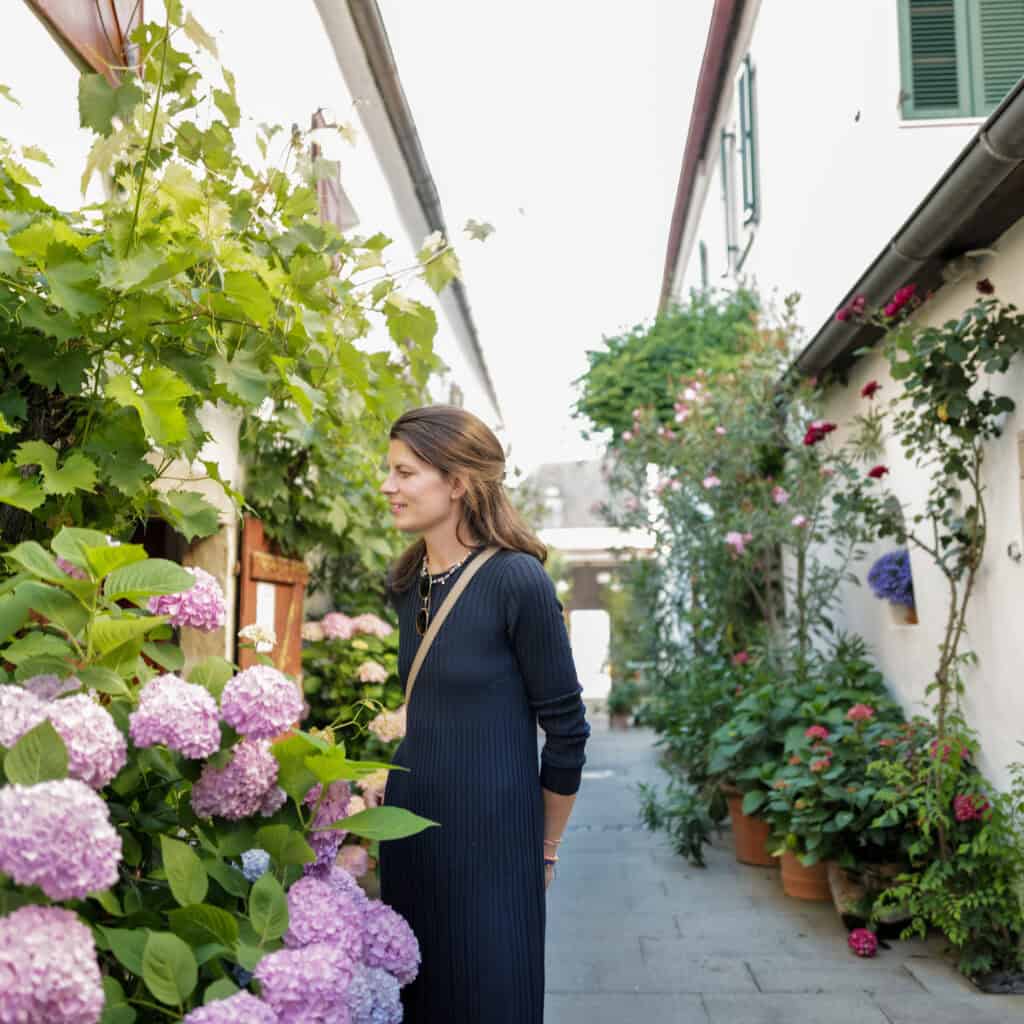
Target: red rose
[(985, 286), (870, 389), (877, 472)]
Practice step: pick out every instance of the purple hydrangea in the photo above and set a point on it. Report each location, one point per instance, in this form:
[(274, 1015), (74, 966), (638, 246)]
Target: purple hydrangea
[(389, 942), (48, 969), (182, 716), (49, 687), (339, 879), (374, 997), (19, 712), (261, 703), (239, 788), (318, 912), (255, 863), (58, 835), (327, 841), (308, 984), (241, 1008), (890, 578), (201, 606), (274, 800), (96, 749)]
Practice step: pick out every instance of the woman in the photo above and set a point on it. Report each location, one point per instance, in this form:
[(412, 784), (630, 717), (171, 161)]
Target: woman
[(473, 889)]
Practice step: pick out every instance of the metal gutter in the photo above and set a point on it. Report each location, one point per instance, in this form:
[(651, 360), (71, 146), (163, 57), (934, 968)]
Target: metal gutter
[(725, 22), (374, 38), (979, 197)]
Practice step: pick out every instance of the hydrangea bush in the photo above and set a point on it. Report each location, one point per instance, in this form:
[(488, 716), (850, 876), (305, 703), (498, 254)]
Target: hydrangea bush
[(186, 823)]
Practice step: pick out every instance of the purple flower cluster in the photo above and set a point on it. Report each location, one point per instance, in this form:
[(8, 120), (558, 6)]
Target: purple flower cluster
[(308, 984), (58, 835), (49, 687), (19, 712), (319, 912), (96, 749), (180, 715), (201, 606), (341, 881), (274, 799), (374, 997), (48, 969), (261, 703), (241, 1008), (239, 788), (327, 841), (890, 578), (389, 942)]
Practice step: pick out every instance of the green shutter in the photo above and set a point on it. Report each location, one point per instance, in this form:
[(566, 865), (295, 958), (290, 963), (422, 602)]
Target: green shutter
[(997, 50), (704, 280), (748, 145), (934, 57)]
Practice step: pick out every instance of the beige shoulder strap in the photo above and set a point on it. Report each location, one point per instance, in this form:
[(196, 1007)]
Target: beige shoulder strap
[(446, 606)]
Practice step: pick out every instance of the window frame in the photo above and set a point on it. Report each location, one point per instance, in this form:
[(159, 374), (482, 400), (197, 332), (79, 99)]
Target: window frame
[(727, 153), (748, 144)]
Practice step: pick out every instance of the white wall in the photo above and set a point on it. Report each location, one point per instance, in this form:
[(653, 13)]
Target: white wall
[(907, 655), (834, 187)]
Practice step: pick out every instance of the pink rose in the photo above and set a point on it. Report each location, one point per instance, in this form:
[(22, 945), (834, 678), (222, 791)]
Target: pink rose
[(860, 713)]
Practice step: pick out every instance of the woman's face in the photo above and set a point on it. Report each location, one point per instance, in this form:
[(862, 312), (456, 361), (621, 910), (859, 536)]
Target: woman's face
[(421, 498)]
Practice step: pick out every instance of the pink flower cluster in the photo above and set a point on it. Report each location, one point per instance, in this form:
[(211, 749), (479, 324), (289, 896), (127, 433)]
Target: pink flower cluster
[(900, 299), (201, 607), (740, 658), (241, 1008), (780, 495), (239, 789), (338, 626), (860, 713), (855, 308), (181, 716), (96, 748), (738, 541), (863, 942), (321, 912), (333, 807), (816, 732), (388, 726), (372, 672), (969, 808), (261, 703)]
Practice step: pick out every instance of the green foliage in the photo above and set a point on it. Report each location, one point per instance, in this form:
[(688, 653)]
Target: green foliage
[(639, 368), (685, 815)]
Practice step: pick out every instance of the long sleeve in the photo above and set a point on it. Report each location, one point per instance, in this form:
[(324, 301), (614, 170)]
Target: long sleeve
[(538, 634)]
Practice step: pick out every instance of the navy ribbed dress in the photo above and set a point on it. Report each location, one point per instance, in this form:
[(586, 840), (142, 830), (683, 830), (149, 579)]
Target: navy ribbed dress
[(473, 889)]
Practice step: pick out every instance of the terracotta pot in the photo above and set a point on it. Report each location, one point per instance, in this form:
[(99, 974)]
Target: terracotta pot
[(804, 883), (619, 720), (750, 835)]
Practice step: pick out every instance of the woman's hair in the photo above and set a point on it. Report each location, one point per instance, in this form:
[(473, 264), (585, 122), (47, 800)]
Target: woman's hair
[(460, 445)]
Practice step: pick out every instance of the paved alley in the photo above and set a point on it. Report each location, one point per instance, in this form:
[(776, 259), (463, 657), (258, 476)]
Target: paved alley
[(637, 936)]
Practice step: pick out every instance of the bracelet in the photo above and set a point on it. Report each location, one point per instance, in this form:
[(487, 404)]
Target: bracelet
[(550, 860)]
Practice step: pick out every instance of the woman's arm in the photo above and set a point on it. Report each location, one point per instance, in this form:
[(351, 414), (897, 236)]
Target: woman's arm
[(557, 809)]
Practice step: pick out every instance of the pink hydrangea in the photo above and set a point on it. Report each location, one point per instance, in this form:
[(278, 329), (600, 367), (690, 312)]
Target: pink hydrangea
[(261, 703), (321, 912), (201, 607), (860, 713), (816, 732), (333, 807), (340, 880), (19, 712), (337, 626), (710, 482), (241, 1008), (863, 942), (354, 859), (49, 687), (96, 748), (372, 786), (181, 716), (388, 726), (58, 835), (389, 942), (308, 984), (372, 672), (48, 968), (274, 799), (239, 788)]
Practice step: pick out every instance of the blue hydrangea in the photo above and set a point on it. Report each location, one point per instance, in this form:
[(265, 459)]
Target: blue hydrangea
[(374, 997), (255, 862), (890, 578)]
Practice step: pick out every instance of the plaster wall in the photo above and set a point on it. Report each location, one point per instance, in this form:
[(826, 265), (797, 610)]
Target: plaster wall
[(907, 654)]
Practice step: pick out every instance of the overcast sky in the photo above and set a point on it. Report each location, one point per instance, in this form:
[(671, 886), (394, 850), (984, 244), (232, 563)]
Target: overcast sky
[(562, 123)]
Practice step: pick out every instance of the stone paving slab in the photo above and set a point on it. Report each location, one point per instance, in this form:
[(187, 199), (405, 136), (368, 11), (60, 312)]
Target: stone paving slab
[(638, 936)]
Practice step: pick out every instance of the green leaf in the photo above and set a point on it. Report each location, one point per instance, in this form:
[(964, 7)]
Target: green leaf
[(158, 404), (244, 376), (105, 558), (109, 633), (384, 823), (285, 845), (268, 908), (228, 878), (753, 800), (127, 945), (333, 765), (5, 91), (37, 560), (115, 1005), (73, 284), (99, 102), (169, 968), (412, 321), (168, 656), (441, 270), (248, 294), (149, 578), (14, 610), (222, 988), (39, 756), (198, 35), (202, 924), (190, 514), (60, 607), (77, 474), (248, 955), (292, 775), (212, 673), (107, 899), (103, 680), (38, 644), (228, 106), (185, 872), (71, 543), (18, 491)]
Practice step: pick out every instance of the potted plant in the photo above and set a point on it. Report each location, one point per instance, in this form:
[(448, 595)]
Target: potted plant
[(891, 580), (621, 700)]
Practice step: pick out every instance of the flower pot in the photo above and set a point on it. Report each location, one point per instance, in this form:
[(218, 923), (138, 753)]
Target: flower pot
[(804, 883), (750, 835), (619, 720), (910, 616)]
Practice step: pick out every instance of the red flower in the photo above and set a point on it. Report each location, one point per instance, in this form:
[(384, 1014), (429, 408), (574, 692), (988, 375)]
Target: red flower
[(843, 315), (877, 472), (985, 286), (817, 732), (740, 658), (969, 808), (818, 431), (870, 389), (900, 299)]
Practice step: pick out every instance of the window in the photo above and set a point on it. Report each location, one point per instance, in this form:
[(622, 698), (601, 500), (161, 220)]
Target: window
[(959, 58), (748, 145)]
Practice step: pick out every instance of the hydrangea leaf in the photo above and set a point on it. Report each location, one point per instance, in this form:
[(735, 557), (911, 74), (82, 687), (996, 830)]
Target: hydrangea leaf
[(231, 880), (39, 756), (127, 945), (212, 673), (14, 609), (190, 514), (77, 474), (169, 968), (268, 908), (149, 578), (293, 776), (104, 680), (185, 872), (108, 633), (285, 845), (104, 558), (71, 542), (158, 402), (60, 607), (35, 645), (222, 988), (168, 656), (383, 823), (17, 491), (202, 924)]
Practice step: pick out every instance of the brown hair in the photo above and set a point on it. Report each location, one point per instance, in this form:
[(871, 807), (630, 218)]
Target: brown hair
[(461, 445)]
